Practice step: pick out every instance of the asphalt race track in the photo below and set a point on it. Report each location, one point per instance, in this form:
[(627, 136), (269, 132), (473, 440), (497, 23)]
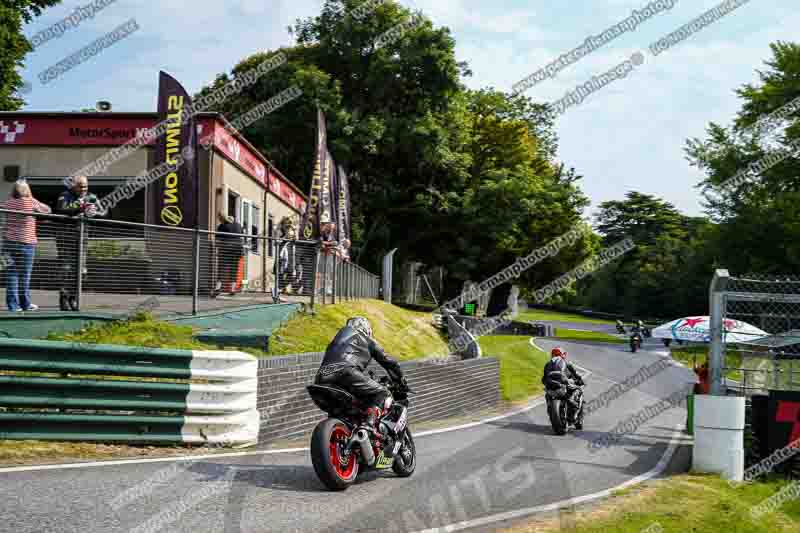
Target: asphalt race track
[(472, 477)]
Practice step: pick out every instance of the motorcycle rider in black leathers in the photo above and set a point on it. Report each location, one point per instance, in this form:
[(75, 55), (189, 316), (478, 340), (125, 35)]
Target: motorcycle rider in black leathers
[(346, 360), (556, 373)]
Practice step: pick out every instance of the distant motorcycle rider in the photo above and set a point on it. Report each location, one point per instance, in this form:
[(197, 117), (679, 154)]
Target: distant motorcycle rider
[(557, 372), (346, 360), (620, 326)]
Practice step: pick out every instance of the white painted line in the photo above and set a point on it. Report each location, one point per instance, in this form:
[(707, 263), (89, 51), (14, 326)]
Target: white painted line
[(520, 513), (68, 466)]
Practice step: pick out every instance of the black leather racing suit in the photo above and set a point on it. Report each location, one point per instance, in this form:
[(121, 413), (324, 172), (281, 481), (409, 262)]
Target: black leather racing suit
[(346, 360), (556, 372)]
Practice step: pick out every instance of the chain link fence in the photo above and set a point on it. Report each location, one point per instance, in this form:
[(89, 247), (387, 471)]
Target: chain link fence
[(91, 264), (756, 337)]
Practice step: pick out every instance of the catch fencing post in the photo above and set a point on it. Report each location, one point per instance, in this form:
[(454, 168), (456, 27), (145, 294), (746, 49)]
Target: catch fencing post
[(314, 277), (79, 261), (276, 296), (334, 281), (324, 277), (195, 270), (387, 276), (717, 309)]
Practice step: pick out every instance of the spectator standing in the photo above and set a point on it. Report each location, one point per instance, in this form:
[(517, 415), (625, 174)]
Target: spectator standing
[(230, 251), (289, 267), (76, 201), (329, 246), (20, 246)]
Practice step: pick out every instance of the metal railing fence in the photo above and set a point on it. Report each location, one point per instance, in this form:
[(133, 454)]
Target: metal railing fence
[(93, 264), (754, 361)]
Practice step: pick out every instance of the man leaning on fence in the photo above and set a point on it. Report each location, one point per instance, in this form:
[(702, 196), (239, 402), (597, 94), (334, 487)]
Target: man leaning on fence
[(76, 201)]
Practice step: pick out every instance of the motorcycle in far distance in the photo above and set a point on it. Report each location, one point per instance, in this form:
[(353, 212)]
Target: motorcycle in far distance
[(636, 342), (562, 411), (620, 329), (646, 332), (341, 446)]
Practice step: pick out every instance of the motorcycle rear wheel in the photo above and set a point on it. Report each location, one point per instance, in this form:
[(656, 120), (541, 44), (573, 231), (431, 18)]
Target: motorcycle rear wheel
[(336, 469), (403, 466), (554, 411)]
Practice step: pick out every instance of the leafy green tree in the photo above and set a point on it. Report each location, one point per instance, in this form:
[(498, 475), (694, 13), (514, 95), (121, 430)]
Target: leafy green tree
[(449, 176), (758, 229), (14, 46)]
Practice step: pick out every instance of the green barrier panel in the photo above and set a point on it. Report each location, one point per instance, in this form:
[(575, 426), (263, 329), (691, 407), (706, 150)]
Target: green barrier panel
[(106, 428), (101, 359), (690, 414), (92, 394), (221, 408)]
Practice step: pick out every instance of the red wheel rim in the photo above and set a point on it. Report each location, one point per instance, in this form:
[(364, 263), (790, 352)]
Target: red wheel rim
[(344, 467)]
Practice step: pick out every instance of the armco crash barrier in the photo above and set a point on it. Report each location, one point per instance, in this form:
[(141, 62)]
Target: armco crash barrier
[(442, 389), (84, 392)]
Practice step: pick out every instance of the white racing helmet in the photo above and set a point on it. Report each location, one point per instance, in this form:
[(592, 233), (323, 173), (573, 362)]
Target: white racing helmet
[(360, 324)]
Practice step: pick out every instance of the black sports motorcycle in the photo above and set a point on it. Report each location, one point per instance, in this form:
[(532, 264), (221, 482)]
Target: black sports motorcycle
[(636, 342), (342, 447), (565, 406)]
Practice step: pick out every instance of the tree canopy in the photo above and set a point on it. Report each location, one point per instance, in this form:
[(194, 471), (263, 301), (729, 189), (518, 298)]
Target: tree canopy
[(450, 176), (14, 46)]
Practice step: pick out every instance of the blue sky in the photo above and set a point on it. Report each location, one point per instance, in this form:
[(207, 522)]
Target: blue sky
[(627, 136)]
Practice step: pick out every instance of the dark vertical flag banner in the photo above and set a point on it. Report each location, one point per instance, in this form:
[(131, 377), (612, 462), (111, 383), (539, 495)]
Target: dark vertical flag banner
[(343, 205), (329, 190), (178, 190), (319, 199)]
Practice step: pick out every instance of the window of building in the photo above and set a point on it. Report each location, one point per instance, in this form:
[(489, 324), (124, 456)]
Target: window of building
[(47, 190), (233, 205)]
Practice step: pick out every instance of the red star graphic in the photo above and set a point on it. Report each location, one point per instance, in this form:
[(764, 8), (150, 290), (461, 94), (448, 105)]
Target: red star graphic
[(789, 413), (692, 322)]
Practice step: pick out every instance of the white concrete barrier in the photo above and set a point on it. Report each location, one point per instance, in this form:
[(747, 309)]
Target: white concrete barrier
[(719, 435)]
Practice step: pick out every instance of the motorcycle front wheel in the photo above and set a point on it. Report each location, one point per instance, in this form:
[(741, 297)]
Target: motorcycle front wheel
[(335, 467), (406, 460)]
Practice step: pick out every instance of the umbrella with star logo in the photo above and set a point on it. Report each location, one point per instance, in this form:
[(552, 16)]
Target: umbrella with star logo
[(698, 329)]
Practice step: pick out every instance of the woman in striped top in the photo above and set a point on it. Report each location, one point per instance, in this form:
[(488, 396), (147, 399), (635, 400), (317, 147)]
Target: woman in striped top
[(20, 246)]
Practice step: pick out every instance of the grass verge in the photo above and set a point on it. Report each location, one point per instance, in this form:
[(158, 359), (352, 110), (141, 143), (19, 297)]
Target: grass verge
[(140, 330), (696, 503), (521, 365), (404, 334), (539, 315), (35, 452), (578, 335)]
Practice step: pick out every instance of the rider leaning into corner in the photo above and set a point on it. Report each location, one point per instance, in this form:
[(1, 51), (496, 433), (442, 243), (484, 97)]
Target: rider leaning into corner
[(346, 360), (556, 372)]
